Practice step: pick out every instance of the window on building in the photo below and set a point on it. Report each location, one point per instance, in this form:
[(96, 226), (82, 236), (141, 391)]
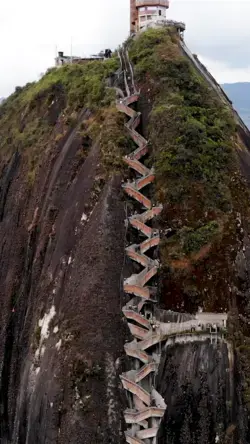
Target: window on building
[(159, 11), (142, 18), (149, 17), (142, 8)]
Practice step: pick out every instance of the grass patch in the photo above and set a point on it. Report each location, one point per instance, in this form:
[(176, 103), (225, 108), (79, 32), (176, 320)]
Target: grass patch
[(28, 118), (108, 128), (83, 84)]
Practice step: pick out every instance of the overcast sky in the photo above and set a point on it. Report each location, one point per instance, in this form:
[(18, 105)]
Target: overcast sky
[(31, 31)]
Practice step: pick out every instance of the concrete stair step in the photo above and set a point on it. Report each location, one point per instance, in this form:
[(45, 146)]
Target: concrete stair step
[(133, 439), (149, 342), (131, 314), (145, 371), (134, 388), (144, 181), (134, 121), (138, 404), (136, 290), (133, 253), (133, 416), (137, 138), (140, 226), (149, 214), (150, 243), (147, 274), (139, 152), (131, 99), (137, 354), (140, 279), (132, 192), (125, 109), (138, 332), (148, 433), (136, 165)]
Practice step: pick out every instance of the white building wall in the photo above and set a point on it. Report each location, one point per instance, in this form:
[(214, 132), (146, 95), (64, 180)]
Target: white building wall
[(147, 16)]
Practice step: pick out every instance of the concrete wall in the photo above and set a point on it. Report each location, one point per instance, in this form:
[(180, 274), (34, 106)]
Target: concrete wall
[(158, 13)]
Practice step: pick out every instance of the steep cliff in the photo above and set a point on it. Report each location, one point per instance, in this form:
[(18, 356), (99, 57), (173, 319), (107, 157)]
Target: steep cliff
[(200, 153), (62, 235), (62, 249)]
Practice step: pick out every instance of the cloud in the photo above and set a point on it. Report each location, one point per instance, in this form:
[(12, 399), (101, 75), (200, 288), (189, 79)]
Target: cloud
[(216, 29), (224, 73), (30, 31)]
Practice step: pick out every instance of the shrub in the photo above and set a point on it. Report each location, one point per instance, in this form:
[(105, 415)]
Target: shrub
[(193, 240)]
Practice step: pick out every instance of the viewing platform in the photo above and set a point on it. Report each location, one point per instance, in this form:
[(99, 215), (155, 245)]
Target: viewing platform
[(159, 23)]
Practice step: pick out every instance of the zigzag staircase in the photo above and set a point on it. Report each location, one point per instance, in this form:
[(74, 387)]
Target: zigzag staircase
[(147, 407)]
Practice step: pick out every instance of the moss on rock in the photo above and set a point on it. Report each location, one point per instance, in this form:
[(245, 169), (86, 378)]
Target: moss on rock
[(36, 117)]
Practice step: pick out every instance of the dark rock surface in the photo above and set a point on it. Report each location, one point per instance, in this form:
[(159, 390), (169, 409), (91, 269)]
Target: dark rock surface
[(200, 385), (62, 252)]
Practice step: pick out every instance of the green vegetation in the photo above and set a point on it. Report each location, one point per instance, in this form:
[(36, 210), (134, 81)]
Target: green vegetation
[(192, 240), (195, 147), (198, 179), (191, 133), (150, 51), (84, 85), (36, 117), (190, 129), (108, 127)]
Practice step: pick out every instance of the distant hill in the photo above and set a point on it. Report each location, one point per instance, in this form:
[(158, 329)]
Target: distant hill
[(1, 100), (239, 93)]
